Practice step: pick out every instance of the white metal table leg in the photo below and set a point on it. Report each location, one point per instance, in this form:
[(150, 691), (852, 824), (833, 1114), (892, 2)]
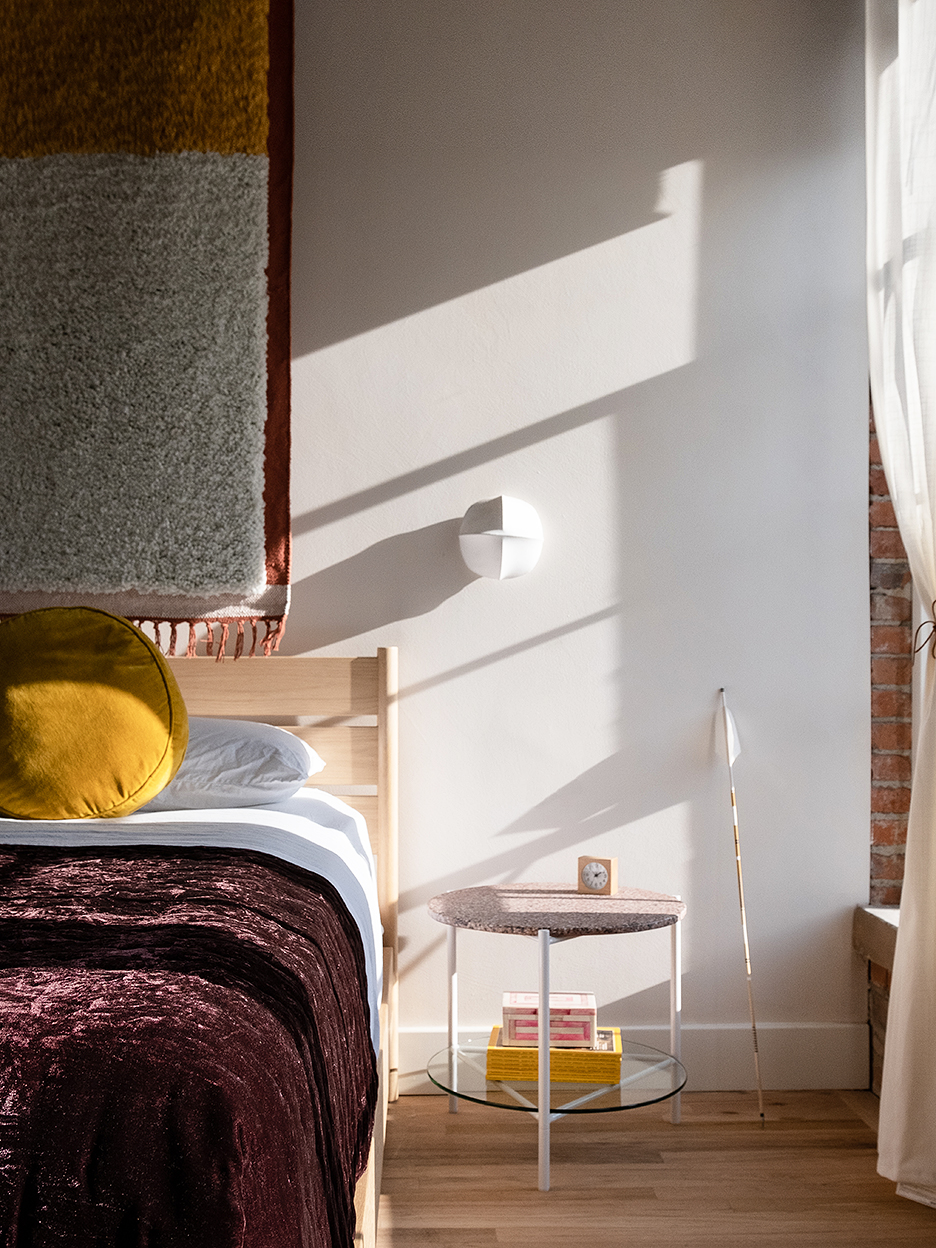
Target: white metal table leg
[(452, 1016), (543, 1110), (676, 1007)]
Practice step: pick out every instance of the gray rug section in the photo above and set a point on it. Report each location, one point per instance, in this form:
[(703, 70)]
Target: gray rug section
[(133, 373)]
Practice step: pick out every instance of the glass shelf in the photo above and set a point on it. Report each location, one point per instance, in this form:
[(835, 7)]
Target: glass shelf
[(647, 1076)]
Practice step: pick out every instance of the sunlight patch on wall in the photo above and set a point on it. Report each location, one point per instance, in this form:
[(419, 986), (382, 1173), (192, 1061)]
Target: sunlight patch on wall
[(542, 342)]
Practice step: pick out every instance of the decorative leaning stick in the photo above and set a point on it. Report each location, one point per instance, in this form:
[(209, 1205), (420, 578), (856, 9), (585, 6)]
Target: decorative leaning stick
[(732, 750)]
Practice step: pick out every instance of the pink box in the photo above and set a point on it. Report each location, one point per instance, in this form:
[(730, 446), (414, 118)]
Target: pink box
[(573, 1020)]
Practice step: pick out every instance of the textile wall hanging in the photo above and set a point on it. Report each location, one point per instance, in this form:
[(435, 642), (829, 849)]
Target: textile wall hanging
[(145, 199)]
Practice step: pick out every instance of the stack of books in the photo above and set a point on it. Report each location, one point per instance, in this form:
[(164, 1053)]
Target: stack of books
[(600, 1064)]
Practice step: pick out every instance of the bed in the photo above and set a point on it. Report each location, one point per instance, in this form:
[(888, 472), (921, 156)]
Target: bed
[(228, 969)]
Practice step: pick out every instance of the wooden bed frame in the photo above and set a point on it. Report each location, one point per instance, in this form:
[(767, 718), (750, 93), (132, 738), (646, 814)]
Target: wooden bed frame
[(337, 694)]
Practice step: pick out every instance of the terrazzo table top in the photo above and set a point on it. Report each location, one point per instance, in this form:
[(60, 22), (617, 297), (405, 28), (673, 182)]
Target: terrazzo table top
[(523, 909)]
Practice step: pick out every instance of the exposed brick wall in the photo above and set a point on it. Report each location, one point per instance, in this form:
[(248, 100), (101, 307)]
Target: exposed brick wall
[(891, 665)]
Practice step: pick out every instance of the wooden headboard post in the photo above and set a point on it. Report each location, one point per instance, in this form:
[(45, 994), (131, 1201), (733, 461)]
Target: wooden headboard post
[(388, 846)]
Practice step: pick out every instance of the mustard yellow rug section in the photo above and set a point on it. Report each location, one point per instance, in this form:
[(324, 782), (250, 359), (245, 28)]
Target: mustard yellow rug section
[(143, 77)]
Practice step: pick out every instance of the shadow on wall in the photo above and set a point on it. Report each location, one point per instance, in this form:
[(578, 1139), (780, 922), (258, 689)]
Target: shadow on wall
[(596, 802), (442, 148), (405, 575), (438, 164), (615, 795), (426, 475)]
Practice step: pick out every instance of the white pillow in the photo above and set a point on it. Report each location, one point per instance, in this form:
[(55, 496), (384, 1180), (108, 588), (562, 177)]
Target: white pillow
[(232, 762)]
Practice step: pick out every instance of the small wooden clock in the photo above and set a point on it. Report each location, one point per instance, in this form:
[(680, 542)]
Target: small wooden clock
[(597, 875)]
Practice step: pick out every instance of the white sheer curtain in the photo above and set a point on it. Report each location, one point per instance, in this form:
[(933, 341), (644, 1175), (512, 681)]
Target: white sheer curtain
[(901, 103)]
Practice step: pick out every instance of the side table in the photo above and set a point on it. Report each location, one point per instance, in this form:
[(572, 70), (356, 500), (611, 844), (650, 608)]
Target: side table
[(552, 913)]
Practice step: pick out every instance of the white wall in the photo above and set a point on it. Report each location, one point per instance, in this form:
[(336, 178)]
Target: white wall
[(605, 256)]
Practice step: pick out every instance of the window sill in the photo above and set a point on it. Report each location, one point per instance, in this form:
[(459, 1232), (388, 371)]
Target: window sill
[(874, 933)]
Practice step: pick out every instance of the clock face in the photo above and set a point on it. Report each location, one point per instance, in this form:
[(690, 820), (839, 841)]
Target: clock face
[(595, 875)]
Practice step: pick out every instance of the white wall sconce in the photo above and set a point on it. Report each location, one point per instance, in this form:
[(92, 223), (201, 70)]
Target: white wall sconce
[(500, 537)]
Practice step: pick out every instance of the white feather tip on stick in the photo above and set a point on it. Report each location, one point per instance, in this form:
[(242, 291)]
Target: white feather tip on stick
[(732, 743)]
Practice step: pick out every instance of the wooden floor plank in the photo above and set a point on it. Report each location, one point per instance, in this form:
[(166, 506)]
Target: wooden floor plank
[(719, 1180)]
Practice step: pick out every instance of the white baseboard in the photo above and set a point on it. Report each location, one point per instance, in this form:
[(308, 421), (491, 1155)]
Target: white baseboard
[(718, 1057)]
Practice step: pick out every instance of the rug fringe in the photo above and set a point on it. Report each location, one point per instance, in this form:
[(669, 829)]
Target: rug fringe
[(216, 646), (274, 627)]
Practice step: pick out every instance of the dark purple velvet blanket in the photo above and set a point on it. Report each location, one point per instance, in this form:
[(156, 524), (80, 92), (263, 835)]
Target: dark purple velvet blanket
[(185, 1055)]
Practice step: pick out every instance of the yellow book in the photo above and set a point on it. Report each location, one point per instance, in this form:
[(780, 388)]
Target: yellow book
[(601, 1064)]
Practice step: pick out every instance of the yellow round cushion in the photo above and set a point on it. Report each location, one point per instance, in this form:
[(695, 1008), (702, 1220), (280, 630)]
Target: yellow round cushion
[(92, 722)]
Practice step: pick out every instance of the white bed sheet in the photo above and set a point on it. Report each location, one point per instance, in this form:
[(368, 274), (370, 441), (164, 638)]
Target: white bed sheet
[(313, 830)]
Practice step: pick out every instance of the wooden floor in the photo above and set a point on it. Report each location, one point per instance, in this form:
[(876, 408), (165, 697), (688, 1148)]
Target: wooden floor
[(806, 1179)]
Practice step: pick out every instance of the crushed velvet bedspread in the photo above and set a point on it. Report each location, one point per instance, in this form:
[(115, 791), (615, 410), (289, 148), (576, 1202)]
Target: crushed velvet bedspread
[(185, 1056)]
